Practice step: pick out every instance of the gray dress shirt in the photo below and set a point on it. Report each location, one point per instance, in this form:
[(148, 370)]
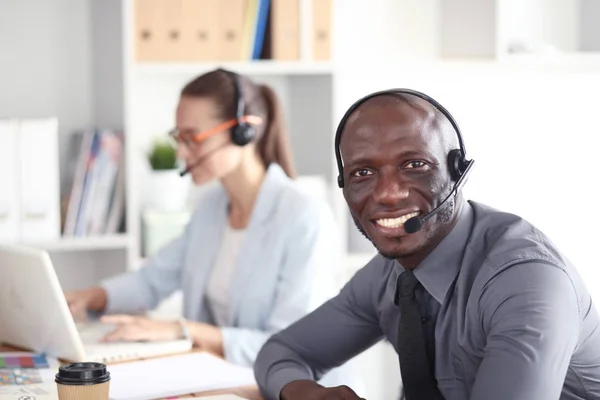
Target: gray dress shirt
[(513, 318)]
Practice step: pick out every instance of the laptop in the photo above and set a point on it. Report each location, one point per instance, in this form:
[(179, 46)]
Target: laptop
[(34, 315)]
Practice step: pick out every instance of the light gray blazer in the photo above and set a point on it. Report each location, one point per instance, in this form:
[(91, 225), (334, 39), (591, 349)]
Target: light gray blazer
[(288, 265)]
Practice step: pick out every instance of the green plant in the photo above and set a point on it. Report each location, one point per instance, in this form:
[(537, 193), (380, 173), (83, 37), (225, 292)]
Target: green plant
[(163, 156)]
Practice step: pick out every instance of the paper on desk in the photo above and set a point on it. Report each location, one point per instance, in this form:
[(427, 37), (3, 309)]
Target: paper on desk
[(174, 376), (42, 391), (36, 391)]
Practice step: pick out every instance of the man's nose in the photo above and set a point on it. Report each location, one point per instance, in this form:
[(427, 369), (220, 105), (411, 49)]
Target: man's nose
[(390, 189)]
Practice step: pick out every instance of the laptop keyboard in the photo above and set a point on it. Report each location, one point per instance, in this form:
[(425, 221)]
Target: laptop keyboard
[(91, 334)]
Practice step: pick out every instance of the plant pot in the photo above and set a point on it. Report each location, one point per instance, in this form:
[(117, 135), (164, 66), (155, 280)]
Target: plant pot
[(168, 190)]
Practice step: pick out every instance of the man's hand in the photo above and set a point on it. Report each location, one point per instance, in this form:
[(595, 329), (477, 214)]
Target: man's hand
[(309, 390), (140, 329)]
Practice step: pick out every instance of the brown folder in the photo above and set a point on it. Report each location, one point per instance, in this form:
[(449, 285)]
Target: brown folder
[(200, 30), (172, 13), (149, 30), (158, 27), (322, 28), (285, 29), (231, 18)]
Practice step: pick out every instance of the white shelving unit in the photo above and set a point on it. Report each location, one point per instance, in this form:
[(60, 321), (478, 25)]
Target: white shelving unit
[(399, 37), (262, 67), (108, 242), (501, 28)]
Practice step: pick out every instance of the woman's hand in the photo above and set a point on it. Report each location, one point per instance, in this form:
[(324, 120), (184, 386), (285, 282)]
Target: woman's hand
[(206, 337), (137, 328), (82, 301), (141, 329)]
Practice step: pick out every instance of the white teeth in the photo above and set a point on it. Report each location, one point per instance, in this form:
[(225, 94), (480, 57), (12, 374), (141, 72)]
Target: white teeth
[(395, 222)]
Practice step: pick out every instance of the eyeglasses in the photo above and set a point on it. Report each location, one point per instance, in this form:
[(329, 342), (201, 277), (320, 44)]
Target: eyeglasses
[(190, 137)]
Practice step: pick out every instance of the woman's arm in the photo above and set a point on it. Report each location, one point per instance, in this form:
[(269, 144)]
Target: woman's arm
[(144, 289)]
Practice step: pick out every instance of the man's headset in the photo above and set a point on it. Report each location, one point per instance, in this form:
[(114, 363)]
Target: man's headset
[(241, 128), (458, 164)]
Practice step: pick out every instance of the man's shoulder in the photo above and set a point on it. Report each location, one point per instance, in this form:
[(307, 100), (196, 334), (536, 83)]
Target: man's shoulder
[(502, 242), (501, 237)]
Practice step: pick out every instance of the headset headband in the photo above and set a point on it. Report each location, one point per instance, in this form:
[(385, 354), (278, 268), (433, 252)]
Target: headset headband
[(237, 93), (391, 92)]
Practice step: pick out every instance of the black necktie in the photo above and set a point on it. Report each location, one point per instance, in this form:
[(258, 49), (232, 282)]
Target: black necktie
[(417, 375)]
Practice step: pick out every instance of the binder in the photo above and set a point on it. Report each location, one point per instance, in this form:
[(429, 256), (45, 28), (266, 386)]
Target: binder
[(150, 30), (262, 18), (322, 16), (172, 14), (38, 167), (200, 30), (79, 179), (285, 29), (9, 195), (249, 30), (231, 26)]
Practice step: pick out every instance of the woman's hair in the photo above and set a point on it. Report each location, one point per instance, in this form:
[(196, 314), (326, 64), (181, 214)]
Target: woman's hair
[(273, 142)]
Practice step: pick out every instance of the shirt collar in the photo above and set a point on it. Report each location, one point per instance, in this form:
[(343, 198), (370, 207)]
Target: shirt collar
[(267, 198), (438, 270)]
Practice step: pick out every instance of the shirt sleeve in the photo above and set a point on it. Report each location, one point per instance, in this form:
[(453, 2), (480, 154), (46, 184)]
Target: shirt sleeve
[(335, 332), (143, 290), (531, 319)]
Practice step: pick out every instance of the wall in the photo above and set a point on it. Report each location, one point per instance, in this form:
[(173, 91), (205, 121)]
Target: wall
[(590, 28), (57, 60), (469, 28), (106, 30), (540, 23), (45, 63)]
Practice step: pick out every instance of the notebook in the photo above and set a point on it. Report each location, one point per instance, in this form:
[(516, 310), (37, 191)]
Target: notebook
[(175, 376)]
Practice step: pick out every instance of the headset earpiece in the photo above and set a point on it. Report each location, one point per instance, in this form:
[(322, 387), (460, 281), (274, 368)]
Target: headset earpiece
[(242, 133), (456, 164)]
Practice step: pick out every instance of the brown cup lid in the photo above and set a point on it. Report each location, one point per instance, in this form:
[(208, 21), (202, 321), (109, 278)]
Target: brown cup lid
[(84, 373)]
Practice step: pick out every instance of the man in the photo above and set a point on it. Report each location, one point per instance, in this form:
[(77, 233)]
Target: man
[(478, 303)]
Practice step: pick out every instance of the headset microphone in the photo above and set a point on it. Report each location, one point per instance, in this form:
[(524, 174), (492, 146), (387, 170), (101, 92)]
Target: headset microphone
[(414, 224), (189, 168)]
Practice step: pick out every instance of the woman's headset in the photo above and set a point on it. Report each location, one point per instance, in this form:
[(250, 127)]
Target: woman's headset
[(243, 132)]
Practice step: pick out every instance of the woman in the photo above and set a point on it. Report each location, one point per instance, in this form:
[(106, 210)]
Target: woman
[(257, 254)]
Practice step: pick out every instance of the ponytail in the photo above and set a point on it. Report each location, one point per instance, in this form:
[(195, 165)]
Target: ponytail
[(274, 145)]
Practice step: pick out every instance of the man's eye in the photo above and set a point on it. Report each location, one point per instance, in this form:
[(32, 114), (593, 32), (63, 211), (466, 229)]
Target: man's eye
[(362, 172), (416, 164)]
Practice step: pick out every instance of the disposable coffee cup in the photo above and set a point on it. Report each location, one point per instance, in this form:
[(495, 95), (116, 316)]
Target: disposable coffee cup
[(82, 381)]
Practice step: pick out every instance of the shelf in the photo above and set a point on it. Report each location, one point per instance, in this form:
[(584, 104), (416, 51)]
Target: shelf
[(263, 67), (108, 242)]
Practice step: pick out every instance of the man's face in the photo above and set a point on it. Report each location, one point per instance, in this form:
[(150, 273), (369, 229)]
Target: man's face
[(395, 167)]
